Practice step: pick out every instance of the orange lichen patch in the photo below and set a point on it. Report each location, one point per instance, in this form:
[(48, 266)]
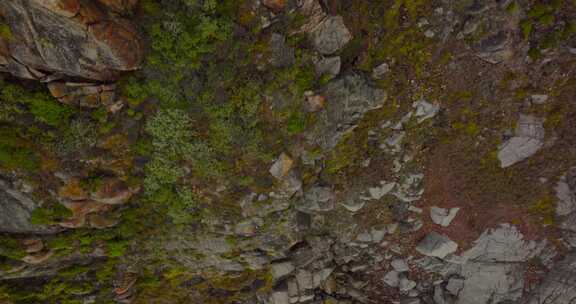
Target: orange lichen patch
[(114, 142), (120, 5), (79, 212), (73, 191), (315, 102), (72, 7), (102, 221), (122, 40), (275, 5), (90, 13), (113, 191), (66, 8), (33, 245), (49, 162)]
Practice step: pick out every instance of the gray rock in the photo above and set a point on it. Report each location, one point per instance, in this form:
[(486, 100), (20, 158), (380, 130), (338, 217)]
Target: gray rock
[(353, 205), (16, 210), (281, 270), (405, 284), (212, 245), (425, 110), (378, 192), (350, 97), (400, 265), (321, 276), (439, 297), (503, 244), (410, 301), (283, 55), (495, 48), (436, 245), (455, 285), (293, 292), (328, 66), (491, 283), (539, 98), (305, 280), (377, 235), (330, 35), (317, 199), (94, 47), (528, 140), (381, 70), (558, 285), (280, 297), (566, 206), (392, 278), (442, 216)]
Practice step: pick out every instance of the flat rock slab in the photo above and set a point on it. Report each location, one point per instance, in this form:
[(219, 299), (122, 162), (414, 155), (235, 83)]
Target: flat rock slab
[(74, 39), (436, 245), (442, 216), (330, 35), (528, 140)]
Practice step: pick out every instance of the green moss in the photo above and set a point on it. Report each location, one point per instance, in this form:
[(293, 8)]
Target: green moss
[(15, 152), (10, 248), (5, 31), (545, 210), (49, 214), (117, 248), (526, 26), (296, 123)]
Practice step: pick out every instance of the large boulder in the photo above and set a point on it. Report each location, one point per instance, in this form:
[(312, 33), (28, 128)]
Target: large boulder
[(558, 286), (566, 206), (348, 99), (528, 139), (16, 210), (75, 39)]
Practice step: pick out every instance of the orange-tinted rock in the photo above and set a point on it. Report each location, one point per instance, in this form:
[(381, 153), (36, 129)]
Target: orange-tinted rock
[(125, 285), (275, 5), (315, 103), (73, 191), (122, 41), (33, 245), (102, 221), (80, 38), (38, 258), (90, 13), (80, 210), (120, 5), (113, 192), (65, 8), (83, 94)]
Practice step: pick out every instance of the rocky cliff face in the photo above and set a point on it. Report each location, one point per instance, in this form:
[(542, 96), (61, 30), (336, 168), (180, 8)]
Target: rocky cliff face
[(69, 41), (287, 151)]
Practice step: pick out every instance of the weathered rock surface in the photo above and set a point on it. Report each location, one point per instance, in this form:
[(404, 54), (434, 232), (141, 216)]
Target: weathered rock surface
[(330, 35), (558, 285), (528, 139), (53, 39), (16, 210), (349, 97), (566, 206), (436, 245), (442, 216)]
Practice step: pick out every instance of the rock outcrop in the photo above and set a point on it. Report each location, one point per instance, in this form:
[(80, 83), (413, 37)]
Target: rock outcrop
[(69, 40), (16, 210)]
